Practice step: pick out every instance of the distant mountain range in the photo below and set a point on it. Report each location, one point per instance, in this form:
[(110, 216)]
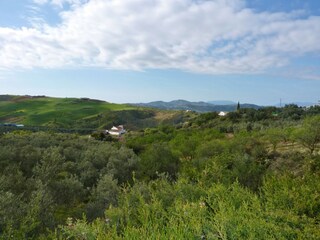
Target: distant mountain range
[(211, 106)]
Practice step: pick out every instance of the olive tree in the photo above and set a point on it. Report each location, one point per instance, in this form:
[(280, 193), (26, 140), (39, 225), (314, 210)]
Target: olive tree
[(309, 134)]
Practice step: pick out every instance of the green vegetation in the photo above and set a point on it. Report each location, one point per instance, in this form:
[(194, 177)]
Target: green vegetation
[(44, 110), (253, 174), (81, 113)]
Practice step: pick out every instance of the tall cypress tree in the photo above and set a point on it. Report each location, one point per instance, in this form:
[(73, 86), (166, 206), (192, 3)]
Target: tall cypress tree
[(238, 106)]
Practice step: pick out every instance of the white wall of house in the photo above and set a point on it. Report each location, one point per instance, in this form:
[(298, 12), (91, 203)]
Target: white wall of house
[(222, 114), (116, 131)]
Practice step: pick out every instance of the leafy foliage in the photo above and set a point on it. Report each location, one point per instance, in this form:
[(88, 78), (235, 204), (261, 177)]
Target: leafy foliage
[(243, 176)]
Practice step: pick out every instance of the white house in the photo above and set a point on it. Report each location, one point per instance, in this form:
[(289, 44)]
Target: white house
[(116, 131), (222, 114)]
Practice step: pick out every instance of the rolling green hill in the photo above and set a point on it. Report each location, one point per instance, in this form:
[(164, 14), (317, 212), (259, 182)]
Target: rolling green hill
[(78, 113)]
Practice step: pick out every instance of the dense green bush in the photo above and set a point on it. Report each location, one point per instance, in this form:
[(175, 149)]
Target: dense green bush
[(46, 178), (245, 176)]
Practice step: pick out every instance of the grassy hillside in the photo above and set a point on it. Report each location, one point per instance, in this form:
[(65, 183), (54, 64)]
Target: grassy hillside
[(77, 113)]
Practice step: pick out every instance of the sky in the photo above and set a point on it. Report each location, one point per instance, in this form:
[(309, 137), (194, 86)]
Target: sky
[(125, 51)]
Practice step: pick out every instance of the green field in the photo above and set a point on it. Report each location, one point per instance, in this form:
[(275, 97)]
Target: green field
[(79, 113), (44, 110)]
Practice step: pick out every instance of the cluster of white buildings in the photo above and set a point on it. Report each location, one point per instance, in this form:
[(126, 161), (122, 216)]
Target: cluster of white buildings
[(116, 131)]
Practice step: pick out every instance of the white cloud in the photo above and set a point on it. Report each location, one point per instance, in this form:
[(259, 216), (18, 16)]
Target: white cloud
[(218, 36), (40, 1), (60, 3)]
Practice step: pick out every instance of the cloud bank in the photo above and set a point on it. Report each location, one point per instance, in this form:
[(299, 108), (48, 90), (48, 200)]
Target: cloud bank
[(207, 36)]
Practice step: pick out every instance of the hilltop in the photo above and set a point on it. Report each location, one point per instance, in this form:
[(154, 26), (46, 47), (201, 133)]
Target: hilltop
[(79, 113)]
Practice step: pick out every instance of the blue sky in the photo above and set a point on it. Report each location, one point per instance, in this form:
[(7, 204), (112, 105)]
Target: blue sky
[(146, 50)]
